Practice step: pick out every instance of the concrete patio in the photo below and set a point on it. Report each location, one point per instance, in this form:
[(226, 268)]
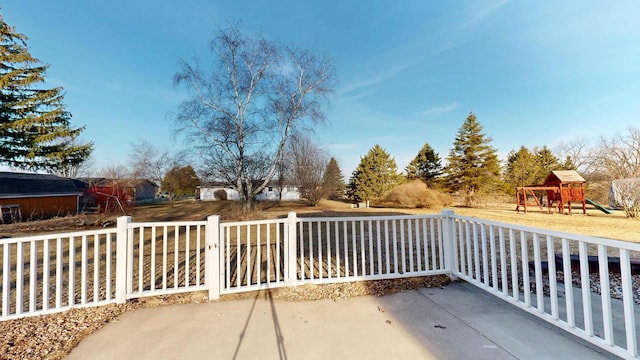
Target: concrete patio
[(458, 321)]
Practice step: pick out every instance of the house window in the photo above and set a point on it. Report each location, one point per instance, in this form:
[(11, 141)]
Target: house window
[(270, 188)]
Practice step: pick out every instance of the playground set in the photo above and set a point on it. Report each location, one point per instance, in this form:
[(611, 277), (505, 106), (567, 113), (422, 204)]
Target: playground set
[(562, 187)]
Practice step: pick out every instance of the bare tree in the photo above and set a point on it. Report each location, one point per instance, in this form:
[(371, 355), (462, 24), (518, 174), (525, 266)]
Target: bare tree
[(242, 109), (152, 163), (114, 172), (578, 152), (615, 160), (88, 168), (307, 164), (619, 156)]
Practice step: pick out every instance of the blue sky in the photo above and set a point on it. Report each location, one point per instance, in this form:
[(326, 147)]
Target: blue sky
[(534, 73)]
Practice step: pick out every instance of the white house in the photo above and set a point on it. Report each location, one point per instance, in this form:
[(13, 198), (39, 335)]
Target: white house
[(218, 192), (270, 193)]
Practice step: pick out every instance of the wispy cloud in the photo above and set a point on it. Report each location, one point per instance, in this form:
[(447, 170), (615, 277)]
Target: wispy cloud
[(471, 18), (366, 143), (478, 15), (157, 94), (376, 79), (441, 109), (69, 87)]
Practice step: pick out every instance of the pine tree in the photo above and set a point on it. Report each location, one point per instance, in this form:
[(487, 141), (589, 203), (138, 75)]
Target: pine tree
[(526, 168), (522, 169), (375, 175), (34, 126), (548, 162), (473, 164), (568, 164), (333, 180), (426, 166)]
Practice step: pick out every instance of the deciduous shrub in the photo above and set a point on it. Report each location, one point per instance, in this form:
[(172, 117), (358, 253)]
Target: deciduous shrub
[(416, 194)]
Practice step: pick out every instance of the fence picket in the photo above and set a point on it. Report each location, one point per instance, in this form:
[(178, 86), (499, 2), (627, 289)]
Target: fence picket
[(336, 230), (627, 299), (328, 241), (371, 257), (515, 286), (378, 247), (603, 267), (537, 265), (176, 253), (586, 288), (141, 259), (59, 273), (108, 258), (6, 269), (319, 242), (32, 275), (503, 262), (524, 251), (485, 258), (494, 262), (553, 282), (568, 283)]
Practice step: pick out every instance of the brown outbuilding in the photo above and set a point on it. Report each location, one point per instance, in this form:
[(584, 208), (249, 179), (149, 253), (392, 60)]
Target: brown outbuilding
[(36, 196)]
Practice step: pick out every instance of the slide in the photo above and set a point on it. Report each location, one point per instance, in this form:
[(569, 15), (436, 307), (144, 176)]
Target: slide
[(598, 206)]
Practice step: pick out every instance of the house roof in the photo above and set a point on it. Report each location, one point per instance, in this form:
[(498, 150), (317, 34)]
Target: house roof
[(25, 185), (565, 176)]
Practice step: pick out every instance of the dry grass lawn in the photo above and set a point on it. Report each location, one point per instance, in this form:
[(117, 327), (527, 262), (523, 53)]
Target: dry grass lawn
[(594, 223)]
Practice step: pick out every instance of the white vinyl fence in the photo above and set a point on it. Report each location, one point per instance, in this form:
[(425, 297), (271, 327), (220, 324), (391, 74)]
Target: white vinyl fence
[(293, 251), (42, 274), (552, 274), (549, 274)]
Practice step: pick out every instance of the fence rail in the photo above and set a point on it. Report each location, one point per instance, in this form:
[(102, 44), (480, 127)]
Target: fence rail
[(549, 274)]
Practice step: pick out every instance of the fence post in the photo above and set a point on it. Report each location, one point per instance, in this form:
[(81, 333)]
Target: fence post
[(212, 257), (292, 259), (121, 259), (449, 249)]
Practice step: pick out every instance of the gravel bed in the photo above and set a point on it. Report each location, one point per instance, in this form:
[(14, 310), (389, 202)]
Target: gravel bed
[(54, 336), (615, 284)]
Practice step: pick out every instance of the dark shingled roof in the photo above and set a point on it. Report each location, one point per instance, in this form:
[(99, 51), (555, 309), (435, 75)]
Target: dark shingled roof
[(34, 184)]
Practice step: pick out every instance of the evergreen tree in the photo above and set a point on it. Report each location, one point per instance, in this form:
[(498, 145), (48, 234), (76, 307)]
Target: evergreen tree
[(548, 162), (473, 164), (34, 126), (375, 175), (568, 164), (522, 169), (526, 168), (426, 166), (333, 180)]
